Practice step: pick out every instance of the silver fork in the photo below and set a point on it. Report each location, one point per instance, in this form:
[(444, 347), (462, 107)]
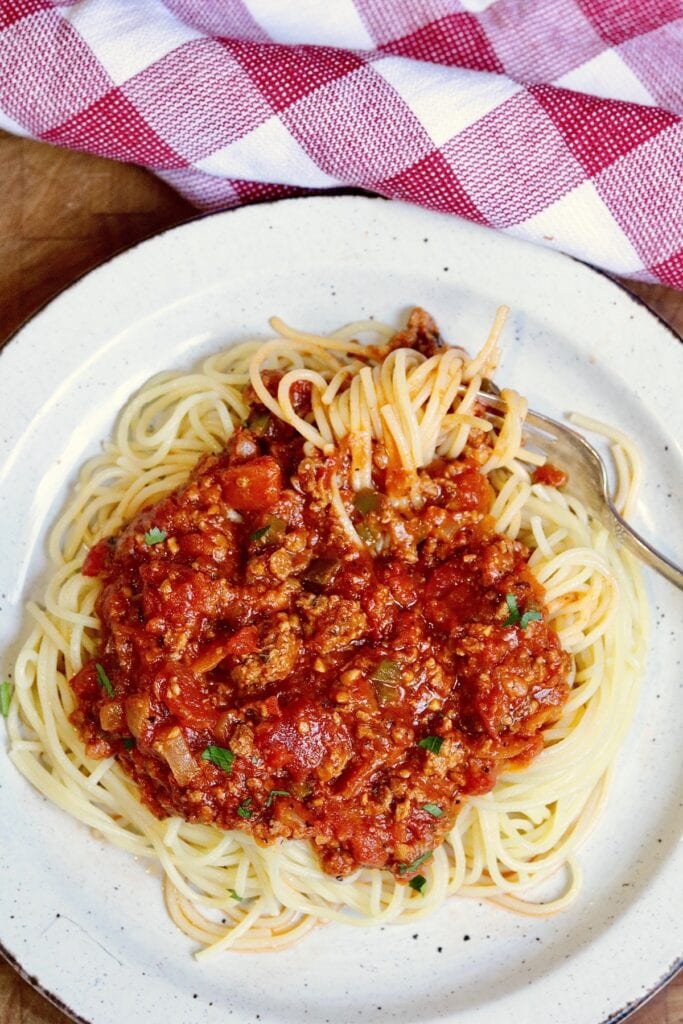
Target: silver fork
[(572, 453)]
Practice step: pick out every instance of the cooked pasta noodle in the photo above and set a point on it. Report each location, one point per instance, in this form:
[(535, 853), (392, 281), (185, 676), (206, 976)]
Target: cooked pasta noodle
[(505, 844)]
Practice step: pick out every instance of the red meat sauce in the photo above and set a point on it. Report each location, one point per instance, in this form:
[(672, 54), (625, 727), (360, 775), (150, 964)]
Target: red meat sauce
[(550, 475), (356, 694)]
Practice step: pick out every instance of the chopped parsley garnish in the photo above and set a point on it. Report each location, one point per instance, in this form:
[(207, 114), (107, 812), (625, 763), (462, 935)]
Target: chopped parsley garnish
[(128, 742), (244, 810), (155, 536), (418, 884), (431, 743), (516, 618), (433, 809), (276, 792), (407, 869), (5, 697), (220, 756), (257, 534), (232, 893), (104, 680)]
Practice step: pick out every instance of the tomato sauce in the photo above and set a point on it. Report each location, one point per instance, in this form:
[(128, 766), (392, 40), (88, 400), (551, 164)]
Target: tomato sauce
[(550, 475), (259, 670)]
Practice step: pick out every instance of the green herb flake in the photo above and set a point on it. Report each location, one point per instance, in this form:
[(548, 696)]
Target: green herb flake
[(104, 680), (418, 884), (220, 756), (244, 810), (257, 534), (433, 809), (155, 536), (5, 697), (386, 672), (407, 869), (233, 895), (276, 792), (431, 743), (128, 742), (514, 616)]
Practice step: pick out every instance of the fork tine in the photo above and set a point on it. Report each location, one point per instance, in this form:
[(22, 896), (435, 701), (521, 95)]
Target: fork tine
[(544, 425), (590, 477), (533, 421)]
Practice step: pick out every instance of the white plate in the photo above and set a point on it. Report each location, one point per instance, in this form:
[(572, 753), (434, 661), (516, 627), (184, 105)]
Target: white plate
[(87, 921)]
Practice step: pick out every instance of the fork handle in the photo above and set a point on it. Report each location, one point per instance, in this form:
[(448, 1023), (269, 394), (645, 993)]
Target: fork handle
[(638, 546)]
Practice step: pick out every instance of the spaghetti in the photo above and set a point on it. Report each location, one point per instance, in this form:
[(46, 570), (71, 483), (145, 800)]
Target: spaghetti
[(405, 403)]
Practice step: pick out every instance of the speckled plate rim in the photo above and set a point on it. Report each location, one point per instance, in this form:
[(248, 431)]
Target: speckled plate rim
[(617, 1015)]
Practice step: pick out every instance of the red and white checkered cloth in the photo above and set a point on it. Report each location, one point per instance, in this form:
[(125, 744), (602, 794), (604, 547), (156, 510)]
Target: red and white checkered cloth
[(557, 121)]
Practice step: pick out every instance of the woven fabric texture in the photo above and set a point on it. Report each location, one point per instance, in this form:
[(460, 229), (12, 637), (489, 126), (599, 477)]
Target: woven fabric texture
[(558, 121)]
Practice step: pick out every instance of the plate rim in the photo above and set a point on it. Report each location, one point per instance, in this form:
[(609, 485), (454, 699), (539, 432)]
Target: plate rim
[(342, 194), (15, 337)]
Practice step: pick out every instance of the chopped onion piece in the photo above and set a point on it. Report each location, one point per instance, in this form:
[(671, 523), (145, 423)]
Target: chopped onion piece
[(112, 718), (174, 749), (137, 713)]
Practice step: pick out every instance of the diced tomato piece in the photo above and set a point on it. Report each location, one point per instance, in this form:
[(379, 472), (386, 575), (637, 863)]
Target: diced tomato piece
[(184, 696), (301, 739), (451, 595), (242, 644), (550, 475), (84, 684), (253, 485), (97, 559), (474, 491)]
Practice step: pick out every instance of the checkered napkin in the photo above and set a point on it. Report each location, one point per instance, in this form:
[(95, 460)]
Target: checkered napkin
[(557, 121)]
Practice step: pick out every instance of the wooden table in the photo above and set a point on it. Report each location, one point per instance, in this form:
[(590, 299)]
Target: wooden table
[(61, 214)]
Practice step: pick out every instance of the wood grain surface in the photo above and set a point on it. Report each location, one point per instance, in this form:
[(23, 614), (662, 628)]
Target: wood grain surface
[(62, 213)]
